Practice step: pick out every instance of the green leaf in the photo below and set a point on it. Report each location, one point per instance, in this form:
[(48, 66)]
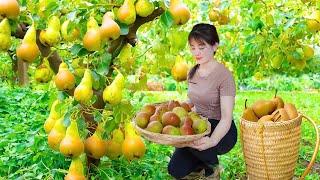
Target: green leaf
[(124, 28), (97, 116), (104, 65), (166, 19)]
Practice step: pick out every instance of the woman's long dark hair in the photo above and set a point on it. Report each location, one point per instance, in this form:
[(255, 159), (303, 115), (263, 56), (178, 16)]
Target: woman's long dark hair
[(202, 32)]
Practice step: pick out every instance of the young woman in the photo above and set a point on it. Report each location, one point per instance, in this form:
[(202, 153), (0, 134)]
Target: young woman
[(211, 89)]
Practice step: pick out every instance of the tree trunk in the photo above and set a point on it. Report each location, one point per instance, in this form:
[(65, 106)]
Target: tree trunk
[(23, 73)]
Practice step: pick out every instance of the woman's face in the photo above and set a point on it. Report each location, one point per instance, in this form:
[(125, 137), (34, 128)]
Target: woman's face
[(202, 51)]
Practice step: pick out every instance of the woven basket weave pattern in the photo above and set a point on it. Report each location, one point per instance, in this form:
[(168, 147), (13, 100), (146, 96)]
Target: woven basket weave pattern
[(271, 149)]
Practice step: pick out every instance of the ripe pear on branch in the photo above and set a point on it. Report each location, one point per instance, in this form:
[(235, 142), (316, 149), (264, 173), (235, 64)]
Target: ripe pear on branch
[(113, 93), (28, 50), (9, 8), (51, 36), (180, 69), (83, 92), (56, 134), (133, 146), (144, 8), (179, 12), (44, 73), (53, 117), (71, 144), (5, 35), (76, 171), (114, 145), (127, 12), (95, 146), (109, 29), (71, 35), (126, 57), (64, 79), (92, 38)]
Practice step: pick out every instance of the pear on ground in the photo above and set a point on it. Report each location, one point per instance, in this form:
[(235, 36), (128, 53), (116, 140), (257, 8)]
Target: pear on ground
[(76, 171), (127, 12), (144, 8), (72, 145), (56, 134), (83, 92), (154, 126)]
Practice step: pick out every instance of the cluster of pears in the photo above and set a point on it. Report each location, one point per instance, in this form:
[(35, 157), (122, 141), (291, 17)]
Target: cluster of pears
[(51, 36), (112, 94), (43, 73), (5, 35), (9, 8), (180, 69), (274, 110), (173, 118), (130, 9), (216, 16)]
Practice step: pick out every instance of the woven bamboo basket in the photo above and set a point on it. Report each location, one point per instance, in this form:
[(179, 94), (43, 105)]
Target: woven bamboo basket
[(170, 139), (271, 149)]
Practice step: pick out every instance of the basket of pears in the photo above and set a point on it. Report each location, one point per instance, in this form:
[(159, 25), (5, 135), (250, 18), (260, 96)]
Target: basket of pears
[(270, 133), (170, 123)]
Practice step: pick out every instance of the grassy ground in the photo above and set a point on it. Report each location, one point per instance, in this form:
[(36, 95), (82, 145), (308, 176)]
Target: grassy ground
[(24, 153)]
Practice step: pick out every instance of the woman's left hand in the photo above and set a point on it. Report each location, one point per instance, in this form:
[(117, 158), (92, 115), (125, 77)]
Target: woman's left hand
[(203, 143)]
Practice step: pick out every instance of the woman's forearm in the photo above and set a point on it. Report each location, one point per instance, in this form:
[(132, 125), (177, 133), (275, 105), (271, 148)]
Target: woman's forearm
[(221, 130)]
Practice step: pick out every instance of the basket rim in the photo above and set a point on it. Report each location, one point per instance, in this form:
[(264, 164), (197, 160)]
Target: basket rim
[(277, 123)]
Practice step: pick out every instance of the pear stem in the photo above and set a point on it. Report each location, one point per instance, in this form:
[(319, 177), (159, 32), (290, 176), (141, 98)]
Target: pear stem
[(275, 94), (245, 103)]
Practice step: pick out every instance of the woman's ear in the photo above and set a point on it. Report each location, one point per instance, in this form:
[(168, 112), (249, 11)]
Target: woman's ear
[(215, 46)]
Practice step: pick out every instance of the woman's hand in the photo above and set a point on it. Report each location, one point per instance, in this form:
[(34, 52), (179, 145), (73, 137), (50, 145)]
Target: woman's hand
[(204, 143)]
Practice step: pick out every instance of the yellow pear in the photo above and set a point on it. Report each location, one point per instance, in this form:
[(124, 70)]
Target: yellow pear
[(248, 113), (44, 73), (75, 170), (95, 146), (308, 52), (114, 146), (109, 29), (69, 35), (56, 134), (53, 117), (133, 146), (266, 119), (119, 80), (5, 35), (112, 94), (263, 107), (83, 92), (9, 8), (64, 79), (127, 12), (51, 36), (214, 15), (92, 38), (144, 8), (71, 144), (28, 50), (180, 69), (179, 12)]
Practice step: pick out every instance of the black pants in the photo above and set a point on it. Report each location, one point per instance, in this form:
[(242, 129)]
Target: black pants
[(187, 160)]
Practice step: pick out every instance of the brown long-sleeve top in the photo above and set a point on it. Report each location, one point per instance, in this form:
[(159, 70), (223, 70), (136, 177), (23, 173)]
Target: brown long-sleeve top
[(205, 92)]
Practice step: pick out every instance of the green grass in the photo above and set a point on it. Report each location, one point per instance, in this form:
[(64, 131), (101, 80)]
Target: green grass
[(24, 153)]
